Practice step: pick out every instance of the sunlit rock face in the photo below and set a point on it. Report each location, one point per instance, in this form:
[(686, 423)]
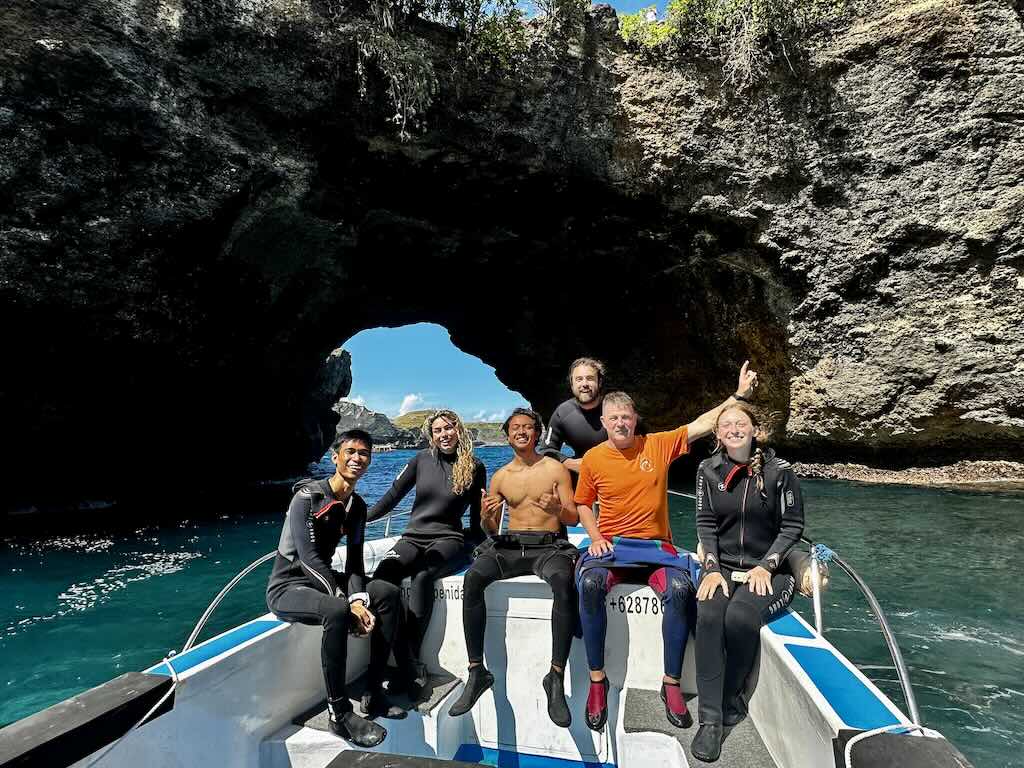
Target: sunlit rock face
[(198, 205)]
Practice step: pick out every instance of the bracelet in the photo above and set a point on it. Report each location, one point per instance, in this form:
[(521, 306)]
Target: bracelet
[(741, 398)]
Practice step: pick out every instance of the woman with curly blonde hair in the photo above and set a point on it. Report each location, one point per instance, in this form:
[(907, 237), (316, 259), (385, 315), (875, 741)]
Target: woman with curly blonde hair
[(448, 479)]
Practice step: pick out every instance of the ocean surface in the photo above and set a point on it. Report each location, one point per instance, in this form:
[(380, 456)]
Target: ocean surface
[(79, 610)]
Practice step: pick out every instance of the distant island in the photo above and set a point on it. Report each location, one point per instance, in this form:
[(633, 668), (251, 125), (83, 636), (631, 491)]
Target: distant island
[(403, 432)]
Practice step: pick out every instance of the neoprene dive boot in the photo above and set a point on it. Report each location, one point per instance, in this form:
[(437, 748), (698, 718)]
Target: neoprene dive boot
[(360, 731), (554, 689), (375, 703), (707, 744), (478, 681), (597, 705), (675, 705)]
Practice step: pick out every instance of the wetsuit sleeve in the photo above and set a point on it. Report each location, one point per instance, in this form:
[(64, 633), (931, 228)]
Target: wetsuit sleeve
[(355, 570), (301, 522), (791, 527), (475, 532), (707, 523), (399, 488), (554, 439)]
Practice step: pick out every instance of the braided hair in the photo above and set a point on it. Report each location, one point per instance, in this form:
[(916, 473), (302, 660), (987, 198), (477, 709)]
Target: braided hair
[(756, 461)]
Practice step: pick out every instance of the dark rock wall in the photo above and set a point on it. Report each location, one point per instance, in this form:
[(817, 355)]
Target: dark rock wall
[(197, 206)]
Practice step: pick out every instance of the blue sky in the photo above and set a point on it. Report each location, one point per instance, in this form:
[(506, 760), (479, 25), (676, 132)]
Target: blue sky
[(395, 370)]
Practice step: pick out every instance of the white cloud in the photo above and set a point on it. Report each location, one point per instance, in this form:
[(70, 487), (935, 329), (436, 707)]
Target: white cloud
[(497, 415), (479, 415), (410, 403), (357, 399)]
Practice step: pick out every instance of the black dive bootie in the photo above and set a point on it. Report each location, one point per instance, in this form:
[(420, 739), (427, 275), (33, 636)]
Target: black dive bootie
[(554, 689), (707, 744), (358, 730), (375, 704), (409, 684), (479, 680)]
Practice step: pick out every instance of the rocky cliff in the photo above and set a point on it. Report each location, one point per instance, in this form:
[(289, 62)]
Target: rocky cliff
[(380, 427), (199, 204)]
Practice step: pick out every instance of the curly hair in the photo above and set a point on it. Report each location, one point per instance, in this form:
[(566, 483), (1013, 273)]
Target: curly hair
[(462, 474)]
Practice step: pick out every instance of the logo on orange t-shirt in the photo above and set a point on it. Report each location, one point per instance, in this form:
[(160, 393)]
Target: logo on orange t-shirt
[(646, 465)]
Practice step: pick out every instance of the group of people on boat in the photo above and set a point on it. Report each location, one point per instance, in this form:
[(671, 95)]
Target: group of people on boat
[(749, 516)]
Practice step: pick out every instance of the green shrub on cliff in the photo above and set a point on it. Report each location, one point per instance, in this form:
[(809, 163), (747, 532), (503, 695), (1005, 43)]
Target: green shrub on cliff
[(752, 35), (644, 29), (490, 38)]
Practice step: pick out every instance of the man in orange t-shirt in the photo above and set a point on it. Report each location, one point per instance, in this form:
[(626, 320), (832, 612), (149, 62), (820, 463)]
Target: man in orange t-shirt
[(628, 476)]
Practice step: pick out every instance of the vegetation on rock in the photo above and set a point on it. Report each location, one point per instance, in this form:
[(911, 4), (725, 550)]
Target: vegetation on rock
[(489, 39), (748, 36)]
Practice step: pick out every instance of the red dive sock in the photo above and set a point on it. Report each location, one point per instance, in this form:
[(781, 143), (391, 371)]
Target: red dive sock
[(674, 698), (597, 699)]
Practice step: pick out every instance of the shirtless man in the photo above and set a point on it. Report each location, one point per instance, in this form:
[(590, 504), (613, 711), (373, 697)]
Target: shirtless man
[(538, 491)]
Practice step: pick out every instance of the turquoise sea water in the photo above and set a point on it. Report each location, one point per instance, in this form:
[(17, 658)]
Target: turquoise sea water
[(79, 610)]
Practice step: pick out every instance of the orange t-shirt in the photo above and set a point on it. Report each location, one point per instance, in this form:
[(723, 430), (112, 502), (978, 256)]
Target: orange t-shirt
[(632, 485)]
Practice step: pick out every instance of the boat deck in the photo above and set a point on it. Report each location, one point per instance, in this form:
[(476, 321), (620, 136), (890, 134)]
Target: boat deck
[(742, 747), (436, 688)]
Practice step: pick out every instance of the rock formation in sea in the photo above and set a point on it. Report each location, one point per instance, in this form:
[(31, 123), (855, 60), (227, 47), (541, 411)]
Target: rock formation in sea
[(199, 204), (380, 427)]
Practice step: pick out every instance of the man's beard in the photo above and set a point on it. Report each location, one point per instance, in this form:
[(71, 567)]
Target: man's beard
[(590, 397)]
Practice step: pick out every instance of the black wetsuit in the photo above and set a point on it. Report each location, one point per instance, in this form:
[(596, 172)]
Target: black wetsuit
[(574, 425), (519, 553), (741, 528), (432, 545), (304, 589)]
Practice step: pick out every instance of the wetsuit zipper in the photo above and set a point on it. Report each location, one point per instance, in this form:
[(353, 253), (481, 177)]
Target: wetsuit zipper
[(743, 516)]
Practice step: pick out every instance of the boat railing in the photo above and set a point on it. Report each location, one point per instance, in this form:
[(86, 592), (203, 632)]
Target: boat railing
[(406, 513), (220, 597), (821, 554)]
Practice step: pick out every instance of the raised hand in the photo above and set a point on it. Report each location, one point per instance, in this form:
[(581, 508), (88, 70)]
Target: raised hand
[(747, 382), (550, 502)]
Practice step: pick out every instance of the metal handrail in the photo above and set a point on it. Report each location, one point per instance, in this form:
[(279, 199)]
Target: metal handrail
[(220, 596), (387, 523), (887, 633), (883, 623)]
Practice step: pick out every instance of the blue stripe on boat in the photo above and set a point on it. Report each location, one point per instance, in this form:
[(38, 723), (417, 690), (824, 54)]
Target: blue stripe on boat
[(506, 758), (215, 647), (789, 626), (576, 529), (853, 701)]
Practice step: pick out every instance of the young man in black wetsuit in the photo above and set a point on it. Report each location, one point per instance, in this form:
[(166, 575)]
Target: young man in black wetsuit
[(303, 588), (577, 421), (538, 491)]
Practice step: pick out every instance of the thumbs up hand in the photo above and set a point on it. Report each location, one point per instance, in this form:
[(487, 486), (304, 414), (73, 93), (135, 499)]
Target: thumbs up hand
[(550, 502)]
